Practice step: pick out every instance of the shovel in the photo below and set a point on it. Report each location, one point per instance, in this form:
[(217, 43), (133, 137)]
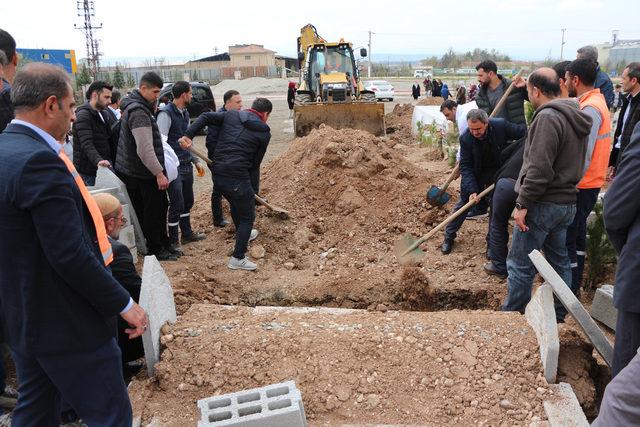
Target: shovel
[(407, 248), (438, 197), (284, 214)]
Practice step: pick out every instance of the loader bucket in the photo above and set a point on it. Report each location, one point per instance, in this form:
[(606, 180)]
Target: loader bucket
[(367, 116)]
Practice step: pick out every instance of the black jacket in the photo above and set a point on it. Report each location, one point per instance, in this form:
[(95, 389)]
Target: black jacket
[(91, 139), (514, 107), (241, 144), (56, 295), (633, 119), (6, 107), (511, 159), (622, 221), (499, 133)]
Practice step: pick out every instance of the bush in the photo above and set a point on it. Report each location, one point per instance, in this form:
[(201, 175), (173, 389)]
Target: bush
[(600, 253)]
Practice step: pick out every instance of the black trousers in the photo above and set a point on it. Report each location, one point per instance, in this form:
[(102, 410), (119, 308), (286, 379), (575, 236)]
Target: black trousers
[(502, 205), (216, 202), (241, 197), (90, 382), (627, 340), (150, 205), (181, 199)]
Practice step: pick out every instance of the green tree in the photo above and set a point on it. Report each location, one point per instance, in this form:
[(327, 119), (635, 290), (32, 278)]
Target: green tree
[(118, 77), (106, 76), (131, 82), (194, 75), (83, 77)]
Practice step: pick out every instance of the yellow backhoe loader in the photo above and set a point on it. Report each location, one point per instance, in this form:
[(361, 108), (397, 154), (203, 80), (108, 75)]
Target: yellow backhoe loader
[(330, 90)]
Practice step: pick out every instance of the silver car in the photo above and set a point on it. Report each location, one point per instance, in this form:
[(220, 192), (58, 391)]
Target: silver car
[(381, 88)]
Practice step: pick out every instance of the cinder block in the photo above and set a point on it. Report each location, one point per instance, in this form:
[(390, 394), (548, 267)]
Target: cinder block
[(156, 298), (105, 178), (602, 308), (128, 237), (573, 305), (564, 410), (541, 315), (277, 405)]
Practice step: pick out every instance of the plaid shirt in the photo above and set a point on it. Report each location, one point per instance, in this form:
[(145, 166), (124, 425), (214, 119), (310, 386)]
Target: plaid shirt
[(6, 108)]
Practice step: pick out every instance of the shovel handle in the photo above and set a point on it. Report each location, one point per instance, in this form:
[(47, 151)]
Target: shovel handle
[(503, 100), (200, 154), (263, 202), (450, 179), (451, 217)]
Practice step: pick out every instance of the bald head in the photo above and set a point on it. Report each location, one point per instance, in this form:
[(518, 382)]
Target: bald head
[(543, 85)]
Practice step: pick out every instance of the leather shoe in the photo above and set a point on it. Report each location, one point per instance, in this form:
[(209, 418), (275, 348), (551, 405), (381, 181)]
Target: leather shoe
[(447, 246), (490, 268), (196, 236)]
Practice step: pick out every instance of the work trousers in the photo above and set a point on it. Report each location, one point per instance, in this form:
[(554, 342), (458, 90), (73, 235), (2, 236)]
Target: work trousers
[(216, 202), (241, 197), (90, 382), (547, 224), (502, 205), (150, 205), (451, 230), (180, 203)]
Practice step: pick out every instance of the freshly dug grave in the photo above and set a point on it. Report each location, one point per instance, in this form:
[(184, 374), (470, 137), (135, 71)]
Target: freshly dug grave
[(351, 196), (453, 368)]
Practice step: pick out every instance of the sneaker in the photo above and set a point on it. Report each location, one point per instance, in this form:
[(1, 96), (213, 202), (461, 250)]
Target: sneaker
[(165, 255), (254, 235), (196, 236), (476, 213), (10, 392), (5, 420), (490, 268), (241, 264), (221, 224)]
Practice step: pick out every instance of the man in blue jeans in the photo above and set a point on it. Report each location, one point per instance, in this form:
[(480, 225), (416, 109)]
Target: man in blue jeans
[(553, 162), (242, 143)]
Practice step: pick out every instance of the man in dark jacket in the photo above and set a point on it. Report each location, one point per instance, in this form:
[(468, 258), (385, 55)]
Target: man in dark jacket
[(493, 86), (415, 91), (140, 164), (242, 144), (629, 114), (8, 49), (92, 133), (603, 82), (58, 300), (480, 148), (622, 221), (552, 166)]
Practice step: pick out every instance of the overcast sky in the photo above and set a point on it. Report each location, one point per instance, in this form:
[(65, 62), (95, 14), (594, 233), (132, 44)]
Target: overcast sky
[(524, 29)]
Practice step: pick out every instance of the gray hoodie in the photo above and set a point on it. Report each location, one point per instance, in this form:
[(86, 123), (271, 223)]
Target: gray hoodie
[(554, 154)]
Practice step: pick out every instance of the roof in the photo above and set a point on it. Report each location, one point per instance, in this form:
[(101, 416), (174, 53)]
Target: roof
[(214, 58), (248, 48)]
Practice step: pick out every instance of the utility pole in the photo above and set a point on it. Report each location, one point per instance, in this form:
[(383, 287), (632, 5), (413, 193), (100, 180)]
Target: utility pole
[(562, 44), (86, 9), (369, 62)]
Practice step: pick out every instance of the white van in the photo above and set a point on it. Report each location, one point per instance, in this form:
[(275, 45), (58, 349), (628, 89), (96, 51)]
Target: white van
[(422, 73)]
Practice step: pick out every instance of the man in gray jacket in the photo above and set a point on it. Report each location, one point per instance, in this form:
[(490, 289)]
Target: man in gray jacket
[(622, 221), (553, 160)]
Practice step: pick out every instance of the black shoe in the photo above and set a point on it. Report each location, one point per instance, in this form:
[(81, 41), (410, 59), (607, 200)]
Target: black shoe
[(477, 213), (490, 268), (447, 246), (193, 237), (221, 224), (175, 249), (165, 255)]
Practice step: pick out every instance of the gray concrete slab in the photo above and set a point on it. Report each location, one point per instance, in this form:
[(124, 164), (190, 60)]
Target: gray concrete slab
[(602, 308), (563, 410), (541, 315), (156, 298), (569, 300)]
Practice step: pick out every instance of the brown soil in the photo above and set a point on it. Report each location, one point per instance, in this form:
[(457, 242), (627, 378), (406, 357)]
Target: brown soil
[(431, 100), (451, 368), (398, 124)]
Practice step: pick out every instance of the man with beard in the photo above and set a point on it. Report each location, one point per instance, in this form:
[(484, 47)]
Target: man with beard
[(493, 86)]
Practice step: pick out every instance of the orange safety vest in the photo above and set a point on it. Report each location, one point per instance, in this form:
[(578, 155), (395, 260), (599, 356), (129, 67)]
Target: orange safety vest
[(94, 210), (595, 175)]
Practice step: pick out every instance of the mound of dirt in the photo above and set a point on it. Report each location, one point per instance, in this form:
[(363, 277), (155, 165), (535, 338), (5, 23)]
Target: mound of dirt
[(431, 100), (398, 124)]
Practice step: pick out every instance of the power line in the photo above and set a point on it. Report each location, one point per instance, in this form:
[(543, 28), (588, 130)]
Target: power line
[(86, 9)]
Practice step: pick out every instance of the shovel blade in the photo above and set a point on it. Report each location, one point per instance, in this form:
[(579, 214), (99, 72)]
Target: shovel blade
[(400, 250), (437, 200)]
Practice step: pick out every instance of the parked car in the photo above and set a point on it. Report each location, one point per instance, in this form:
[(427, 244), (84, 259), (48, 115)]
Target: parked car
[(382, 89), (202, 98)]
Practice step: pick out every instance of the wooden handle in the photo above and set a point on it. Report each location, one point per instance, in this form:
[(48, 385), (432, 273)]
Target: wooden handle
[(263, 202), (444, 223), (200, 154), (503, 100), (452, 176)]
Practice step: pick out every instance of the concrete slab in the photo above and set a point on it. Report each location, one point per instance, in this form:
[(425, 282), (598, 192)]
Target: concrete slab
[(128, 237), (274, 405), (156, 298), (569, 300), (564, 409), (541, 315), (602, 308), (105, 178)]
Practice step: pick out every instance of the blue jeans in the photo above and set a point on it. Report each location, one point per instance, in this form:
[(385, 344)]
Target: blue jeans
[(180, 202), (502, 204), (547, 224), (241, 197)]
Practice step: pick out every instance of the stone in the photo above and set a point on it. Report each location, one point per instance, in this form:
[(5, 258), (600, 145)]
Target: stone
[(289, 265), (105, 178), (573, 305), (541, 316), (156, 298), (506, 404), (602, 308), (257, 252), (564, 409)]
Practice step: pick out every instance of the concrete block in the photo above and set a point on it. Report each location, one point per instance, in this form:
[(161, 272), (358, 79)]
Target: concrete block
[(105, 178), (128, 237), (564, 410), (602, 308), (156, 298), (569, 300), (114, 191), (541, 315), (276, 405), (126, 212)]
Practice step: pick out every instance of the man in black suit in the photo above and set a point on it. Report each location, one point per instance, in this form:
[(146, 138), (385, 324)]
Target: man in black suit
[(58, 300), (622, 221)]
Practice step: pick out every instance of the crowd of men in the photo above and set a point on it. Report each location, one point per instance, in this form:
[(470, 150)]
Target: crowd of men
[(57, 239)]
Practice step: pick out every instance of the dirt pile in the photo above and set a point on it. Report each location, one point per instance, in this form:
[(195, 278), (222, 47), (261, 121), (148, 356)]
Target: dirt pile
[(431, 100), (358, 367), (398, 124)]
